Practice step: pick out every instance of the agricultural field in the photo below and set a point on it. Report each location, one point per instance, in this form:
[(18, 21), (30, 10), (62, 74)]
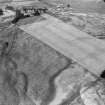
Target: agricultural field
[(34, 73), (39, 72)]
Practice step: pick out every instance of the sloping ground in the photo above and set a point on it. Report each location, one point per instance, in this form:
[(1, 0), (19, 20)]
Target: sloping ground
[(91, 23), (30, 20), (87, 19), (22, 3), (38, 72), (36, 60), (75, 82), (73, 43), (16, 3), (81, 5), (46, 70), (4, 1)]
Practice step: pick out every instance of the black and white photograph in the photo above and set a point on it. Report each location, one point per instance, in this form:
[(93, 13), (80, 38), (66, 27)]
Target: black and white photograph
[(52, 52)]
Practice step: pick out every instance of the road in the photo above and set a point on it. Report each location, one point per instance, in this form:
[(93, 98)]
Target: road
[(88, 51)]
